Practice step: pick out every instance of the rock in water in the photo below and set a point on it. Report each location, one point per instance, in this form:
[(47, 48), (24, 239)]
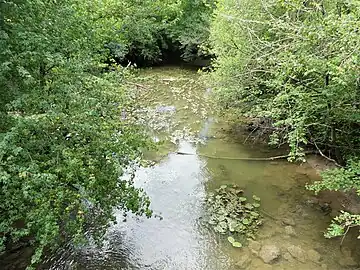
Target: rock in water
[(288, 221), (347, 262), (244, 262), (298, 253), (287, 256), (269, 253), (289, 230), (254, 246), (314, 256)]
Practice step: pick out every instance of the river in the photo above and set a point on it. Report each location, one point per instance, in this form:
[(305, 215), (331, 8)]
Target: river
[(176, 110)]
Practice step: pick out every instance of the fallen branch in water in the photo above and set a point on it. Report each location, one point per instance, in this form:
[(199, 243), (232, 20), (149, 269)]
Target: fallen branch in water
[(267, 214), (326, 157), (234, 158)]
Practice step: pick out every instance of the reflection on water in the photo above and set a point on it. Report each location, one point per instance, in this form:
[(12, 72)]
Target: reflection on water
[(177, 187)]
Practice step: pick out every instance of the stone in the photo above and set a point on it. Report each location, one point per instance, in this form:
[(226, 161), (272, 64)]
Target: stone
[(269, 253), (288, 221), (347, 262), (287, 256), (289, 230), (314, 256), (298, 253), (254, 246), (346, 251), (244, 261), (324, 266)]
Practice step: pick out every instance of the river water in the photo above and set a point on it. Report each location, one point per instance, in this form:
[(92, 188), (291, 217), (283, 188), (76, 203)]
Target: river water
[(177, 112)]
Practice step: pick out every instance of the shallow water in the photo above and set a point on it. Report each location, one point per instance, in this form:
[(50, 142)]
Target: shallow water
[(178, 185)]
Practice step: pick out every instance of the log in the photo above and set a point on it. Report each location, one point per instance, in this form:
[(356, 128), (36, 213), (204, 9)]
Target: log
[(234, 158)]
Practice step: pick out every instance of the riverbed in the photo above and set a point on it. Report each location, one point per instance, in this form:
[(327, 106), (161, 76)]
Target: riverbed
[(175, 107)]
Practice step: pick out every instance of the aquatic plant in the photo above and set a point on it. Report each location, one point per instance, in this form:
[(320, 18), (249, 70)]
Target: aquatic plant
[(231, 213)]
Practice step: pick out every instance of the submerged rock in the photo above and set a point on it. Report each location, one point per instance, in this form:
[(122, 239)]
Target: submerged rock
[(298, 253), (288, 221), (289, 230), (269, 253), (244, 261), (314, 256), (287, 256), (254, 246), (347, 262)]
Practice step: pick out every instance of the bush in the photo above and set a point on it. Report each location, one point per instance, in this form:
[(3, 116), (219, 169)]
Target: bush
[(296, 63), (64, 149)]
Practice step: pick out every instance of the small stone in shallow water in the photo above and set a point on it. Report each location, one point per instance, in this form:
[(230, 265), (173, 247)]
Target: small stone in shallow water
[(269, 253), (244, 261), (297, 252), (254, 246), (289, 230), (288, 221), (347, 262), (287, 256), (346, 251), (313, 255)]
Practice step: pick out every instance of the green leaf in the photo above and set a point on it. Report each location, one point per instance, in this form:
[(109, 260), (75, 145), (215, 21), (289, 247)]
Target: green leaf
[(231, 239), (237, 244), (245, 221)]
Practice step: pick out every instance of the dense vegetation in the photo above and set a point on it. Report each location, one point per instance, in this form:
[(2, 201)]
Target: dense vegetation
[(150, 32), (65, 148), (295, 64)]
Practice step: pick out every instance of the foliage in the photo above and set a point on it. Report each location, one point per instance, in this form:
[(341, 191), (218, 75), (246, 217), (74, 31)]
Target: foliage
[(149, 31), (234, 242), (339, 179), (295, 63), (230, 212), (341, 224), (191, 28), (64, 148)]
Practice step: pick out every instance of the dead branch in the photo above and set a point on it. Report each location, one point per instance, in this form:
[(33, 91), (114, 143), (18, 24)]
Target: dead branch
[(326, 157)]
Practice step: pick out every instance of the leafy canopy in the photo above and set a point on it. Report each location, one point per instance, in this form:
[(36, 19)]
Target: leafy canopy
[(63, 145)]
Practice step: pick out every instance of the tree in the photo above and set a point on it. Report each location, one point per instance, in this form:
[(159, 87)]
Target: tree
[(64, 148), (294, 62)]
